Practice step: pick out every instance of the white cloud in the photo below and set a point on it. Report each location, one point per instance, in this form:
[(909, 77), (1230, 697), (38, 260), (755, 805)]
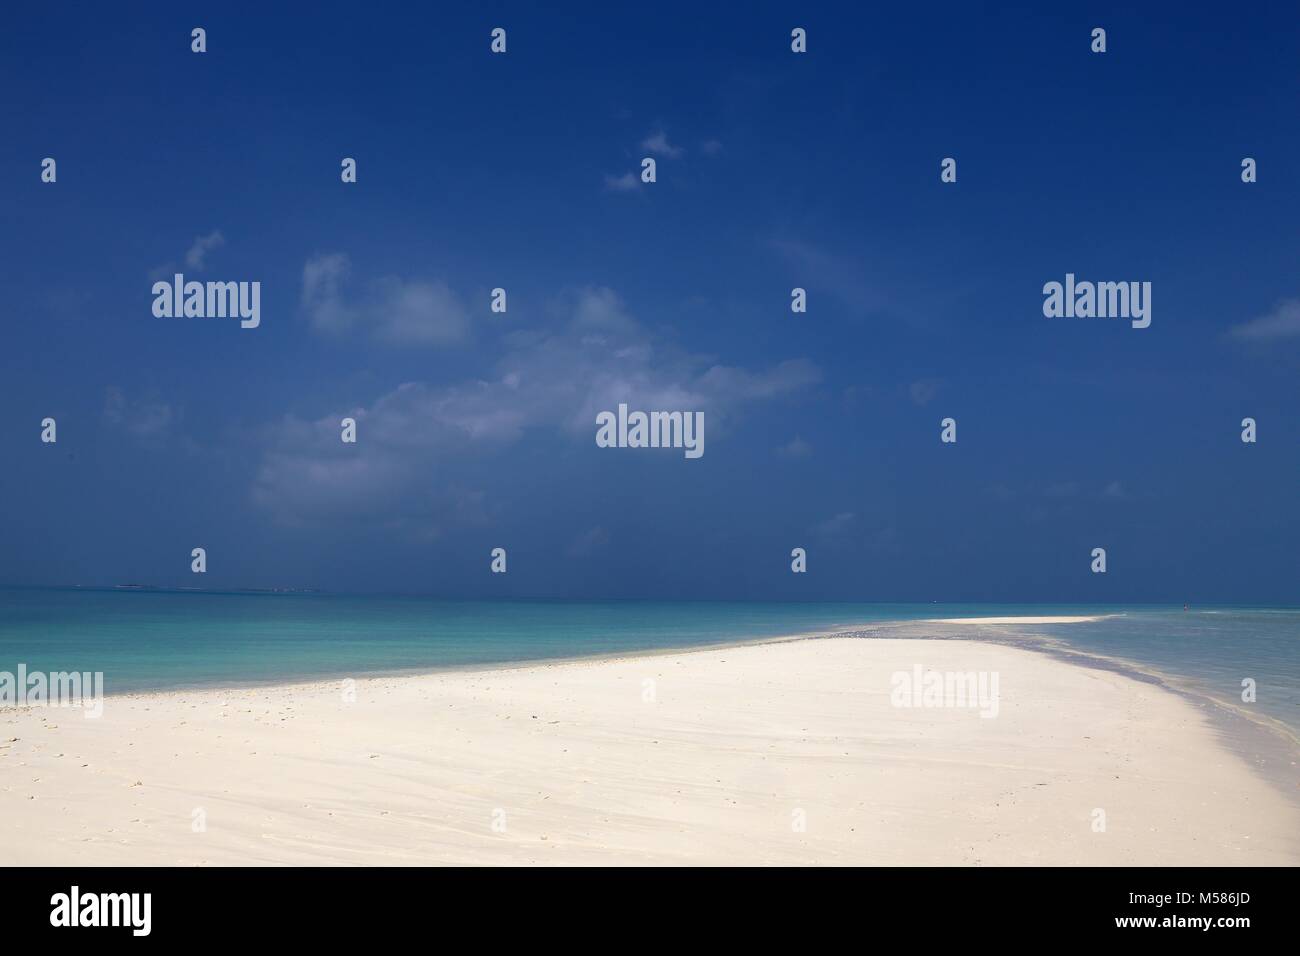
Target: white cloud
[(739, 384), (557, 380), (322, 280), (622, 184), (835, 526), (148, 421), (1282, 323), (923, 391), (818, 270), (395, 311), (657, 142), (600, 309), (196, 258)]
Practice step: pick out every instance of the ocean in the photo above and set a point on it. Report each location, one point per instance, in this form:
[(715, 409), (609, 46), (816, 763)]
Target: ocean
[(148, 640)]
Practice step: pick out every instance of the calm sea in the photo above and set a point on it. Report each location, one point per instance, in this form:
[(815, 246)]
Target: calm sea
[(150, 639)]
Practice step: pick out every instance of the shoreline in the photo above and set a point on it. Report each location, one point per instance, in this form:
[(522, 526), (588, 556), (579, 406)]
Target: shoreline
[(1282, 741), (1043, 643), (1278, 741), (779, 722), (850, 630)]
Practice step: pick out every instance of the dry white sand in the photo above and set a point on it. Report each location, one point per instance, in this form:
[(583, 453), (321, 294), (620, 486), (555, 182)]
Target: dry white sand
[(713, 756), (1058, 619)]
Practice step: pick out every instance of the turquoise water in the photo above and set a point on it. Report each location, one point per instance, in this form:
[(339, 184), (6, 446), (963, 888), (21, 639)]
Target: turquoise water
[(1209, 651), (148, 640)]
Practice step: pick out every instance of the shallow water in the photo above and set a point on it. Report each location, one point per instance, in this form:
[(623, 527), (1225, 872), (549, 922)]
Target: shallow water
[(145, 640)]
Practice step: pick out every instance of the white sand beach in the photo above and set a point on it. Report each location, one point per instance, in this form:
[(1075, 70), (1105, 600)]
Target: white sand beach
[(781, 753), (1051, 619)]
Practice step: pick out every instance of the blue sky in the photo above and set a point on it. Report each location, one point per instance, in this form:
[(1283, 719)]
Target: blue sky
[(775, 170)]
